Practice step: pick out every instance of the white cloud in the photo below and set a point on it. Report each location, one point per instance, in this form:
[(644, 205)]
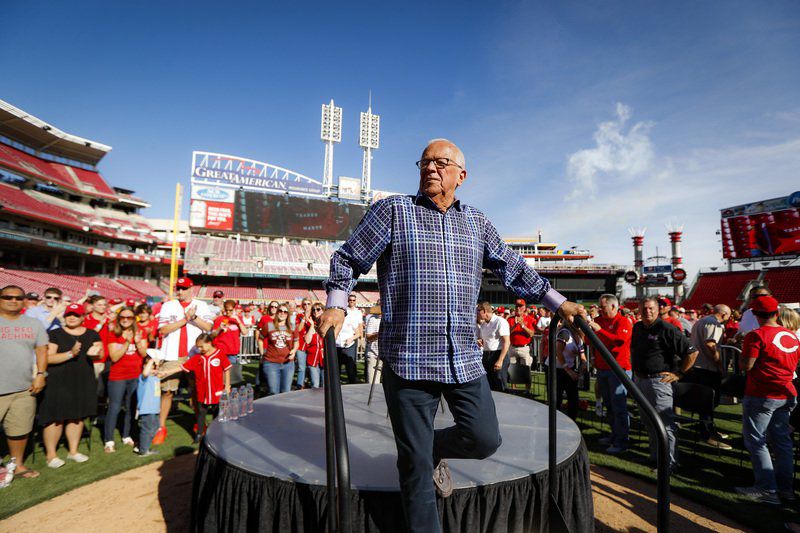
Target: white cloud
[(619, 155)]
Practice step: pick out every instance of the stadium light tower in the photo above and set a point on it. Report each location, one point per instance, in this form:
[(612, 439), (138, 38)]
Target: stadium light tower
[(331, 132), (637, 234), (368, 139), (675, 237)]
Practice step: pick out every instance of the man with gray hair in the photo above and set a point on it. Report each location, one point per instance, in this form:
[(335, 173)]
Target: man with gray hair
[(708, 368), (431, 251), (614, 331), (660, 356)]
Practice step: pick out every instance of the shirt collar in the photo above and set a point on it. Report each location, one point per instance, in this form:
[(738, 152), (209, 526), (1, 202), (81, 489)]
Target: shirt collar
[(421, 199)]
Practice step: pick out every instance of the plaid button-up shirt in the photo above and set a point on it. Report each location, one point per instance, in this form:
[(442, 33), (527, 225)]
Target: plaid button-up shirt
[(430, 267)]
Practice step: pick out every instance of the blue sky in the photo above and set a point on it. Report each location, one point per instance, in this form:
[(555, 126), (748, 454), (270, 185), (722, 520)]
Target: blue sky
[(581, 119)]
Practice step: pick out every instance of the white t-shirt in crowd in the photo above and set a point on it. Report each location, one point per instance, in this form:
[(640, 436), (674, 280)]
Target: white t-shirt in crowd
[(172, 311), (543, 323), (373, 325), (573, 348), (352, 320), (492, 331)]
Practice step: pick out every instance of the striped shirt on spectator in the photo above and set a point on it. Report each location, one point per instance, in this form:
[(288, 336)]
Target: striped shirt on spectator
[(429, 272)]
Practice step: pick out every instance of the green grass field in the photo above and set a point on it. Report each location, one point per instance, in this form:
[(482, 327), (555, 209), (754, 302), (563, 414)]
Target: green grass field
[(705, 476)]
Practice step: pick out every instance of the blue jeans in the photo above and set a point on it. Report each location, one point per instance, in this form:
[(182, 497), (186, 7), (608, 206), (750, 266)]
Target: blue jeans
[(300, 357), (120, 393), (317, 374), (412, 407), (148, 425), (660, 395), (615, 398), (768, 419), (279, 376)]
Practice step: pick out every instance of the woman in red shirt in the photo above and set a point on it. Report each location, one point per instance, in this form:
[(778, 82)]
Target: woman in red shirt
[(314, 348), (126, 348), (227, 330), (280, 345)]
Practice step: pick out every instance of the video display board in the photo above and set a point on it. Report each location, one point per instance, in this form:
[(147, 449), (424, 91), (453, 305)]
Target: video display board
[(762, 231)]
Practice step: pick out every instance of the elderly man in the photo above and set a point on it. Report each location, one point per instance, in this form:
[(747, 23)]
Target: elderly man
[(708, 368), (431, 251), (22, 340), (180, 322), (614, 331), (660, 355), (217, 303)]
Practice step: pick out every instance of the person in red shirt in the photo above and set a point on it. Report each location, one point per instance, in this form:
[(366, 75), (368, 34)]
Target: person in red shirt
[(522, 328), (227, 330), (614, 331), (280, 346), (148, 325), (769, 356), (314, 347), (212, 374), (126, 348), (664, 307), (303, 320)]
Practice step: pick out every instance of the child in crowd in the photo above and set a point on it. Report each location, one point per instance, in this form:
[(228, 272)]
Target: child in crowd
[(212, 375), (148, 394)]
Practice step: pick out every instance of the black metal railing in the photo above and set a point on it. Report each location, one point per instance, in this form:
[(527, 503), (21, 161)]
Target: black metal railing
[(337, 456), (645, 408)]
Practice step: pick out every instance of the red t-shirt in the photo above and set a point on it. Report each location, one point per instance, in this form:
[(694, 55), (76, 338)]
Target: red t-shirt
[(315, 351), (209, 371), (277, 343), (775, 350), (228, 340), (519, 337), (616, 336), (302, 328), (129, 365), (674, 321), (101, 327)]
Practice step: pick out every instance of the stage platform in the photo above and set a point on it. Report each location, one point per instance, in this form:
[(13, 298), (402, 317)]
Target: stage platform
[(266, 472)]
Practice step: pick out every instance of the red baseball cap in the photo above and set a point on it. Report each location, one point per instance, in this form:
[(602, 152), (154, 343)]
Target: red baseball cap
[(521, 302), (501, 309), (764, 304), (115, 301), (130, 302), (664, 302), (218, 294), (75, 309), (184, 283)]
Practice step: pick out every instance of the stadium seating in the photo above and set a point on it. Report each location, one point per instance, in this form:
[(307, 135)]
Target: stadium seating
[(719, 288), (19, 202), (76, 286), (784, 283), (234, 293)]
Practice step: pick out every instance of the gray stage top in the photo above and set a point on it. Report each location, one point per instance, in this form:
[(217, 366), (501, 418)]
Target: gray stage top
[(284, 438)]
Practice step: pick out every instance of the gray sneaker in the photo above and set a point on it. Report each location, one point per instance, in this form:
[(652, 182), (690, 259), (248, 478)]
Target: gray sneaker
[(757, 495), (442, 479)]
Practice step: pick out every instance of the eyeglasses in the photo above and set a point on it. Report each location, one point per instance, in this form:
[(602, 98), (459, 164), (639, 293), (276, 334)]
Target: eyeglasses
[(8, 297), (440, 162), (283, 310), (56, 298)]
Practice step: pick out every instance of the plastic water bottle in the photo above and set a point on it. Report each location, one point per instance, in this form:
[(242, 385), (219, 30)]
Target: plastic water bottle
[(242, 402), (223, 407), (250, 398), (234, 409)]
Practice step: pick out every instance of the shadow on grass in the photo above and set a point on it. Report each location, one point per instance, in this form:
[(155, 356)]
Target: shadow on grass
[(175, 489)]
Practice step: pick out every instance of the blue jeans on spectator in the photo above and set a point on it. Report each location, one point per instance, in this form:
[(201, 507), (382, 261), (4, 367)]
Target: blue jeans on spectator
[(148, 425), (768, 419), (300, 357), (279, 376), (615, 398), (660, 395), (120, 394), (317, 374), (412, 407)]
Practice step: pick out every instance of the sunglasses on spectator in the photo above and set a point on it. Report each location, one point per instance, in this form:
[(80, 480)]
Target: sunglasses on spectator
[(317, 309), (351, 300), (273, 306), (8, 297), (126, 317), (283, 310), (51, 297)]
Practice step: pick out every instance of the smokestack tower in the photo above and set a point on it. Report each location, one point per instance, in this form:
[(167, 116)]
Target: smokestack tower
[(675, 237), (637, 235)]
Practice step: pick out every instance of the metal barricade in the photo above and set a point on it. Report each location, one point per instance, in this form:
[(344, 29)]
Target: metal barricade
[(645, 408)]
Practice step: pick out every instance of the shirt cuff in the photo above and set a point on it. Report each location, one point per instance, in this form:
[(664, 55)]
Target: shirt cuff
[(553, 300), (337, 298)]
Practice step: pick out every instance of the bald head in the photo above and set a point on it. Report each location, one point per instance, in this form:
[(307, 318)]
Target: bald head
[(456, 154), (723, 312), (441, 172)]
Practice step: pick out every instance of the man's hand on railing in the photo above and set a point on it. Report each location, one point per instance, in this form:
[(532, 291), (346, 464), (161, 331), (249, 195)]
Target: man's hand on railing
[(331, 317), (569, 310)]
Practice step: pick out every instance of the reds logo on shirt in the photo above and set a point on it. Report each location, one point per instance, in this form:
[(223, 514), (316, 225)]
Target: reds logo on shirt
[(778, 342), (214, 362)]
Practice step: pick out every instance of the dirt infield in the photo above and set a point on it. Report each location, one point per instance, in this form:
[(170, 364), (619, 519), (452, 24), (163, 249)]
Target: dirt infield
[(156, 498)]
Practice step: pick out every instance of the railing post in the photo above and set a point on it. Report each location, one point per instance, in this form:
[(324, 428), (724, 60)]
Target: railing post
[(336, 451)]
